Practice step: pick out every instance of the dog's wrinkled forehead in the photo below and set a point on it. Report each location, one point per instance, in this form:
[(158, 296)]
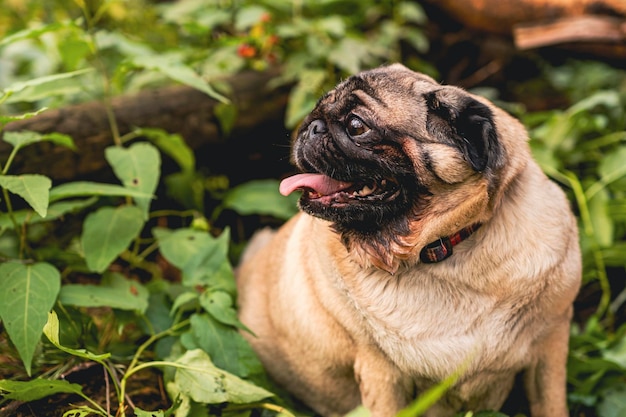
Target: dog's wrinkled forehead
[(384, 87)]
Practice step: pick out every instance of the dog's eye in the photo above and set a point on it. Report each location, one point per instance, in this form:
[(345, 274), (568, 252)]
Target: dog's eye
[(356, 127)]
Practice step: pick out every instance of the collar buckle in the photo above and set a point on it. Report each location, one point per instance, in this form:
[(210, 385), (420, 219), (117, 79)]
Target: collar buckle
[(441, 249)]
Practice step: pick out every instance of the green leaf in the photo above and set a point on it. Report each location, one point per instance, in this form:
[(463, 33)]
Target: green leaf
[(612, 170), (51, 330), (261, 197), (83, 411), (46, 86), (617, 353), (187, 188), (55, 211), (412, 12), (178, 71), (173, 145), (226, 114), (4, 119), (139, 168), (28, 293), (107, 232), (199, 378), (219, 304), (33, 188), (304, 95), (202, 258), (36, 389), (184, 299), (27, 137), (32, 32), (248, 17), (430, 396), (87, 188), (224, 344), (211, 266), (613, 403), (350, 54), (182, 245), (114, 291), (603, 226)]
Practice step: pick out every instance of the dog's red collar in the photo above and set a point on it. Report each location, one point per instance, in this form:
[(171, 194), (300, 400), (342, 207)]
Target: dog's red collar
[(441, 249)]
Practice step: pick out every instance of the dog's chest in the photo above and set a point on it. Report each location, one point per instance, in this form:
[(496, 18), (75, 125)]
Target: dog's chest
[(432, 328)]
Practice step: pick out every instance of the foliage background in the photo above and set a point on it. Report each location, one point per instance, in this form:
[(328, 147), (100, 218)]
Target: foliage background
[(157, 302)]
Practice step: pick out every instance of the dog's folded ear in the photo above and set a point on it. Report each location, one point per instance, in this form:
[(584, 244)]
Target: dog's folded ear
[(462, 121)]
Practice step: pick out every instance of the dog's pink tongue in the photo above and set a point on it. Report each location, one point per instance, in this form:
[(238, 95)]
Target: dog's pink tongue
[(319, 183)]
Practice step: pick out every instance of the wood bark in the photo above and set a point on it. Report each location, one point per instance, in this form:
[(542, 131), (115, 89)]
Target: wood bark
[(597, 27), (603, 34), (500, 16), (176, 109)]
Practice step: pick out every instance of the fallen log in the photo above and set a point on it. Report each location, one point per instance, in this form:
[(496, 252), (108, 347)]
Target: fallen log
[(176, 109), (604, 35), (592, 26)]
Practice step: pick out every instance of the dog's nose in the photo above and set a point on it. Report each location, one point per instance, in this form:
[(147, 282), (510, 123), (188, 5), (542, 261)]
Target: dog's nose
[(316, 128)]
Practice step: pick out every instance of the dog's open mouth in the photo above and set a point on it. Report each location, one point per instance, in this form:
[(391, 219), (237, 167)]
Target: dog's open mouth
[(328, 190)]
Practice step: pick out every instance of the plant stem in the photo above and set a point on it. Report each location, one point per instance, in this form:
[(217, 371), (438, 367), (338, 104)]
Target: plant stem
[(106, 80), (585, 216), (266, 406), (134, 368)]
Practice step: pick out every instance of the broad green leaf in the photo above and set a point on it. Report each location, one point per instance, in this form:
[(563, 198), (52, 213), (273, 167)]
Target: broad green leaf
[(182, 245), (248, 17), (261, 197), (33, 188), (138, 167), (350, 54), (51, 330), (202, 258), (87, 188), (224, 344), (178, 71), (36, 389), (211, 266), (27, 137), (333, 25), (219, 304), (617, 353), (412, 12), (173, 145), (184, 299), (188, 188), (74, 51), (613, 403), (46, 86), (28, 293), (55, 211), (114, 291), (205, 383), (612, 170), (108, 232), (304, 95)]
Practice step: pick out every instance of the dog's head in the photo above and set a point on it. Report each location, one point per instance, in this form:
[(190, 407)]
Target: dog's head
[(395, 160)]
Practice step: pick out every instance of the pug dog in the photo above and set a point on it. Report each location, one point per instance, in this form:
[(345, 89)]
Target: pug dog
[(430, 245)]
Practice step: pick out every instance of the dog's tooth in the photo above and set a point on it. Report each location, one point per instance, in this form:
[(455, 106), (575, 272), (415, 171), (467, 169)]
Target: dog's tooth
[(365, 191)]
